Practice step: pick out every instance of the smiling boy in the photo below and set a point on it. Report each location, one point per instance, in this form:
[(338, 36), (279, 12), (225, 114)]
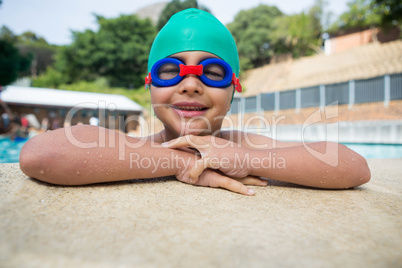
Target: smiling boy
[(193, 71)]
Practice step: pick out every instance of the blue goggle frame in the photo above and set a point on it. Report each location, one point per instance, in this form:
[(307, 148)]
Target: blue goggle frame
[(226, 81)]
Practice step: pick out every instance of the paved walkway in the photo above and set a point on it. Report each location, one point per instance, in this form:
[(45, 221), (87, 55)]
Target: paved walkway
[(165, 223)]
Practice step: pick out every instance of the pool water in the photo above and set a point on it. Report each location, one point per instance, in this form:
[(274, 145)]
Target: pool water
[(10, 150), (377, 150)]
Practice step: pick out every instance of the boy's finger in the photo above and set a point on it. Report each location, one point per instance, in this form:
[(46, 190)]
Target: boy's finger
[(197, 170), (200, 166), (187, 141), (235, 186), (177, 143)]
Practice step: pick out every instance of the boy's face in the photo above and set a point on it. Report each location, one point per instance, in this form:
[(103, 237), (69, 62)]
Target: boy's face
[(191, 107)]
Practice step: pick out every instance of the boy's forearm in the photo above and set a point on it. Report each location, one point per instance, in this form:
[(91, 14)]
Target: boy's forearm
[(87, 156), (324, 165)]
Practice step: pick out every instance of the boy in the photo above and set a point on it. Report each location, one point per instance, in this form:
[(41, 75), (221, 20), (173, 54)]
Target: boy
[(193, 71)]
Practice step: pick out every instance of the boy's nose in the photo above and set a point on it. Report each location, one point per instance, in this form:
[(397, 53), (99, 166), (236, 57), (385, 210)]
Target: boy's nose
[(191, 84)]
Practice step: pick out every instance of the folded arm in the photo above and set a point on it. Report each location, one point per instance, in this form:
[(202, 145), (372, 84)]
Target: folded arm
[(89, 154)]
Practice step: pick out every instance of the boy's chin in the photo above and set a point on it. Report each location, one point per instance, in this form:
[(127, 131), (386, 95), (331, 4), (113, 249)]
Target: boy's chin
[(195, 128), (193, 131)]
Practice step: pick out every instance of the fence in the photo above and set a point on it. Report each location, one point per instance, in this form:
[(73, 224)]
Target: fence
[(383, 88)]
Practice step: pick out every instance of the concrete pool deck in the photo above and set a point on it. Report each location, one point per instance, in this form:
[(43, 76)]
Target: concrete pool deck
[(165, 223)]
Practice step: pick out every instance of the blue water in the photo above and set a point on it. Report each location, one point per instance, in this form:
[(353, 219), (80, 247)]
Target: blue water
[(377, 150), (10, 150)]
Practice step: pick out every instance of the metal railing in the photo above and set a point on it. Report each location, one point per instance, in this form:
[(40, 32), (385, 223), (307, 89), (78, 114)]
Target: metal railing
[(382, 88)]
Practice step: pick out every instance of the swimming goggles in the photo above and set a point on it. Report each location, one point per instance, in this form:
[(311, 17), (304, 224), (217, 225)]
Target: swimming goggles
[(212, 72)]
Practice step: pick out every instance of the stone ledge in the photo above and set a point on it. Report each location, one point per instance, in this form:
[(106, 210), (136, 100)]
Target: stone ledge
[(165, 223)]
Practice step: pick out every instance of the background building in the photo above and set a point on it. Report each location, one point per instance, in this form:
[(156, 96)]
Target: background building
[(62, 108)]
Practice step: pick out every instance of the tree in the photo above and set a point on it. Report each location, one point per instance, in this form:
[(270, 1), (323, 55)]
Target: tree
[(31, 46), (390, 11), (360, 15), (118, 51), (252, 30), (11, 62), (176, 6), (300, 34), (41, 52), (51, 79), (8, 35)]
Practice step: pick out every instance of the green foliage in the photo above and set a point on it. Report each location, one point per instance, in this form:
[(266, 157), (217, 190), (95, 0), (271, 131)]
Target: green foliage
[(176, 6), (31, 38), (11, 62), (100, 84), (32, 47), (42, 57), (300, 34), (390, 11), (50, 79), (360, 15), (252, 30), (7, 35), (42, 53), (118, 51)]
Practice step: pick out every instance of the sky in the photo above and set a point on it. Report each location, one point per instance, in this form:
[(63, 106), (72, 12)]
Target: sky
[(54, 19)]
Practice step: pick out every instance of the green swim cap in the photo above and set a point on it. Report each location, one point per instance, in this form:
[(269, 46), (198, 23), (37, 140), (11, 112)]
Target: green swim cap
[(193, 29)]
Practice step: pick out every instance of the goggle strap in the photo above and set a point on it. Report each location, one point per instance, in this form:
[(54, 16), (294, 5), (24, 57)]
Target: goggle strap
[(148, 81), (190, 69), (236, 83)]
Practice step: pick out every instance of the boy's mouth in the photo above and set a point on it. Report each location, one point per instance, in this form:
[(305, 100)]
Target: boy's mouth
[(189, 106), (189, 109)]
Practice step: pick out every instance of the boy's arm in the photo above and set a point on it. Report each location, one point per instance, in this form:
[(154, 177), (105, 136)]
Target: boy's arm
[(319, 164), (89, 154)]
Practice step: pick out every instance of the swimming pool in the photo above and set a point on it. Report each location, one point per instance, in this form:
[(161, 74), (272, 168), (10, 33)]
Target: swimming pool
[(10, 150), (377, 150)]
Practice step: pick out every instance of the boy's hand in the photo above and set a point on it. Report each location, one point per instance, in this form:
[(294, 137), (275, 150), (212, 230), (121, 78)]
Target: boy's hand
[(214, 178), (216, 153)]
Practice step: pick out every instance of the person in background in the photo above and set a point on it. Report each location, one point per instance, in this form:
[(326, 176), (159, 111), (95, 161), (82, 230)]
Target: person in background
[(45, 124)]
